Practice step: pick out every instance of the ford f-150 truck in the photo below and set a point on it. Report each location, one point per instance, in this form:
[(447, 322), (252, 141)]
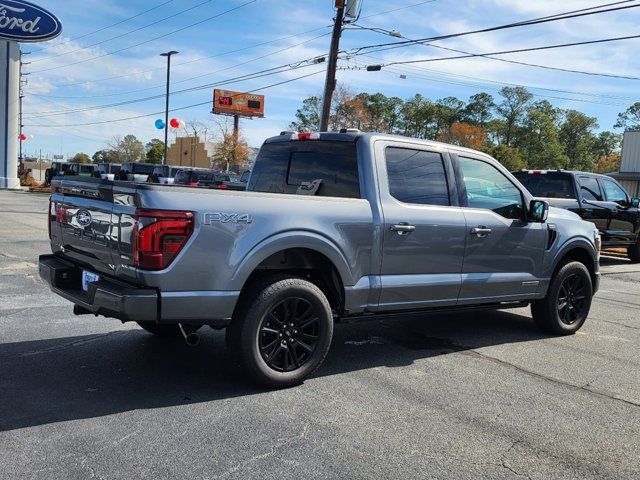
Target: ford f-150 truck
[(598, 199), (333, 226)]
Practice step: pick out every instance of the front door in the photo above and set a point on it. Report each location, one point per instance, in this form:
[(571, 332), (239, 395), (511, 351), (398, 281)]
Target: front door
[(424, 228), (503, 254), (593, 205)]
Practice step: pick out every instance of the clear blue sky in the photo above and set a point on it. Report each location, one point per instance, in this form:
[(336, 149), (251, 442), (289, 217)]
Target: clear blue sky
[(66, 75)]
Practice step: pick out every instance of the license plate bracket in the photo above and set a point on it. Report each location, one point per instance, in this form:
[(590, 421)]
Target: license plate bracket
[(87, 278)]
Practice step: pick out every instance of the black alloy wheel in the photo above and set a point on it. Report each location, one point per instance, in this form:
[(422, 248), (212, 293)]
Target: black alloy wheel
[(289, 334), (572, 299)]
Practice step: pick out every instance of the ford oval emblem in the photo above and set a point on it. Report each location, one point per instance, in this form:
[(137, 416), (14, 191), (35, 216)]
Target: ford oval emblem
[(83, 217), (22, 21)]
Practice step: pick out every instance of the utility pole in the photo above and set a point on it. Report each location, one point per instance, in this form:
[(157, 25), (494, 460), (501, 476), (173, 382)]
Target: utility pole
[(330, 82), (166, 110), (236, 136)]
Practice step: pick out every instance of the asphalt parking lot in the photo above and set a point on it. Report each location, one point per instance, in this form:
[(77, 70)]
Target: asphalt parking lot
[(482, 395)]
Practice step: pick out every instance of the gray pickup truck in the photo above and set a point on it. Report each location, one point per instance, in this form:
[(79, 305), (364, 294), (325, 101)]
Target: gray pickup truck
[(333, 226)]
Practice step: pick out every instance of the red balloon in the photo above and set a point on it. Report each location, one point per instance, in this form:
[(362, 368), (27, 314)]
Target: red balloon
[(174, 122), (23, 137)]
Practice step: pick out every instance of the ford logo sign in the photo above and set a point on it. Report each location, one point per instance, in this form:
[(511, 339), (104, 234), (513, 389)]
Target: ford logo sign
[(22, 21), (83, 217)]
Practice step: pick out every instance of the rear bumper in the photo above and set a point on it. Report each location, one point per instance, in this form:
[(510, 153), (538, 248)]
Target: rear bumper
[(106, 297), (112, 298)]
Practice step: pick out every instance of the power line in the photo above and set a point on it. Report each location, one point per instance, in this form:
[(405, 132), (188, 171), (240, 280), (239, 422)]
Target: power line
[(73, 84), (148, 41), (519, 50), (262, 73), (190, 78), (48, 47), (249, 47), (486, 80), (208, 102), (44, 59), (535, 21)]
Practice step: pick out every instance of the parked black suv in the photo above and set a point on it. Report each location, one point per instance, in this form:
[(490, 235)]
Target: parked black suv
[(596, 198)]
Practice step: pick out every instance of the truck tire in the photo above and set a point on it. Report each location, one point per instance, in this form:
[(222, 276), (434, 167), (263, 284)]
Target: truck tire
[(282, 332), (167, 330), (633, 252), (568, 301)]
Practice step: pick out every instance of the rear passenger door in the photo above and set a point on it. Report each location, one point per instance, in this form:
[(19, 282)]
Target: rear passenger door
[(503, 253), (424, 228)]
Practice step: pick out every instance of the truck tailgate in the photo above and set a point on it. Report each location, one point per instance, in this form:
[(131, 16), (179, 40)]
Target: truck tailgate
[(92, 222)]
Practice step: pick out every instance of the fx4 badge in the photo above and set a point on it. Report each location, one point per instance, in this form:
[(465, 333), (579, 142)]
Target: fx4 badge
[(210, 218)]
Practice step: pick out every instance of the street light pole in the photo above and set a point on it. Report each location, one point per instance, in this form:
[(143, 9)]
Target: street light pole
[(166, 110)]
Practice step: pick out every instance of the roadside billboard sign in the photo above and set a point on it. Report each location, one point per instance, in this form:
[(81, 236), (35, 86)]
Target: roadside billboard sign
[(228, 102)]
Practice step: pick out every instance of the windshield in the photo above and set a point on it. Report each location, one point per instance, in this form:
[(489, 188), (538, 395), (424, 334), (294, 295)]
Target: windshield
[(547, 185)]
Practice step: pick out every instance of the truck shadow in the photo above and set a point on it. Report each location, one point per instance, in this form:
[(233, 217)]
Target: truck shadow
[(55, 380)]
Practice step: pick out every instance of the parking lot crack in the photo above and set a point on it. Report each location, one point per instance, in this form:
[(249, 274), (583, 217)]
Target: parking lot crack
[(279, 444), (504, 464), (64, 346), (557, 381)]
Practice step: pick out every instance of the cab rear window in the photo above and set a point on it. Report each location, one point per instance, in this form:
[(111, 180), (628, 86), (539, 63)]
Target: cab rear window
[(289, 167), (548, 185)]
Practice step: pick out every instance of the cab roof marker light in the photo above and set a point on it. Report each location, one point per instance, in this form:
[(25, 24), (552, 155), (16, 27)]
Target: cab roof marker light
[(305, 136)]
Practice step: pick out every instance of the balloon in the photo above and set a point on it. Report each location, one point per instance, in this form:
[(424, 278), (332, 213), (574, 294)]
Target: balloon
[(22, 137), (183, 124), (159, 124), (174, 122), (31, 137)]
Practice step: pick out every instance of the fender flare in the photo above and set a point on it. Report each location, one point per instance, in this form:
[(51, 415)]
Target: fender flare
[(285, 241), (582, 243)]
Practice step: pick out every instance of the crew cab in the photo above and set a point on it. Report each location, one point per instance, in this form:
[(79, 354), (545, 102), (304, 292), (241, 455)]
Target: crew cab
[(598, 199), (333, 226)]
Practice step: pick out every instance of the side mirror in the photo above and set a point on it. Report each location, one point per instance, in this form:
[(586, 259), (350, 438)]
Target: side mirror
[(635, 202), (538, 211)]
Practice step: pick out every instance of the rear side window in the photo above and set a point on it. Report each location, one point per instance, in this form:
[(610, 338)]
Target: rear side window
[(416, 176), (284, 167), (143, 169), (549, 185), (182, 176), (590, 189)]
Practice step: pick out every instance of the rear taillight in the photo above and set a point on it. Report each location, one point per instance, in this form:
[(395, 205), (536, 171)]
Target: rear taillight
[(193, 184), (223, 186), (159, 236), (50, 217)]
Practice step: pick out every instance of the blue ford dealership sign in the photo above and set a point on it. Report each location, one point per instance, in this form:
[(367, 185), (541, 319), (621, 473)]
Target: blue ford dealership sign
[(22, 21)]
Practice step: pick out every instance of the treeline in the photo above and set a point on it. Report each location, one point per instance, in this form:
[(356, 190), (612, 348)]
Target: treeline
[(516, 129)]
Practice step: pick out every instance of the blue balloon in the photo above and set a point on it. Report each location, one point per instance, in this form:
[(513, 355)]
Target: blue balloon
[(159, 124)]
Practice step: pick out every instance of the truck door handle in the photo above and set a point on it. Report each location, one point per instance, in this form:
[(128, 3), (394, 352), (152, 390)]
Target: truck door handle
[(403, 228), (481, 232)]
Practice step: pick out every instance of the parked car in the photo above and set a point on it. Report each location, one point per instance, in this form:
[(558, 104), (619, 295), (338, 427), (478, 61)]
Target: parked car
[(135, 172), (56, 169), (333, 226), (190, 177), (163, 174), (107, 171), (221, 181), (596, 198)]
